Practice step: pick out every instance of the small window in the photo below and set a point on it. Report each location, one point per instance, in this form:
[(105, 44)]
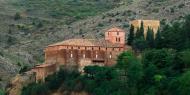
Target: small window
[(110, 55), (78, 47), (108, 33), (99, 48), (119, 39), (96, 56), (117, 33)]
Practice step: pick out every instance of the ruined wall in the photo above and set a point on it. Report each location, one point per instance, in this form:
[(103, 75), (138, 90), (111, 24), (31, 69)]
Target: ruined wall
[(62, 55), (154, 24)]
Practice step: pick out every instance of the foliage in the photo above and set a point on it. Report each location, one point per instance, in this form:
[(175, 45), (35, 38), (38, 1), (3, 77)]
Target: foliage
[(150, 38), (139, 44), (2, 92), (35, 89), (131, 35), (17, 16)]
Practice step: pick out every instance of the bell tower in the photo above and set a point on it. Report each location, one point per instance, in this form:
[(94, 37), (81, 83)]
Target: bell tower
[(115, 35)]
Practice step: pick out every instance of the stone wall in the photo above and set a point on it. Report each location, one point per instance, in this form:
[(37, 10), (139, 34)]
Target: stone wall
[(154, 24)]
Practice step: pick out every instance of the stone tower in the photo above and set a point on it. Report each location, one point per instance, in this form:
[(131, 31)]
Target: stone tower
[(115, 36)]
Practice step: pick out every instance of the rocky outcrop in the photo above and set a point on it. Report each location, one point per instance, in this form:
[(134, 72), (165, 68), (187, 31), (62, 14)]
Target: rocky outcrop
[(7, 70), (18, 82)]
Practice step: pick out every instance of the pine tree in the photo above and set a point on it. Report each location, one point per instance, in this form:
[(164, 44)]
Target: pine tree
[(150, 38), (158, 39), (131, 35)]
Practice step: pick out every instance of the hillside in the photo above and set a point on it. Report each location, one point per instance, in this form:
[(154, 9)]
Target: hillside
[(42, 22)]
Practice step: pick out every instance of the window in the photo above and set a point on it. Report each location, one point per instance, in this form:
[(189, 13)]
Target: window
[(110, 55), (84, 55), (71, 54), (117, 33), (96, 54), (118, 39)]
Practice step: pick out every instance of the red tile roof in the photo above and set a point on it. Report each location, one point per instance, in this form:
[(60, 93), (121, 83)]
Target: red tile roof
[(87, 42)]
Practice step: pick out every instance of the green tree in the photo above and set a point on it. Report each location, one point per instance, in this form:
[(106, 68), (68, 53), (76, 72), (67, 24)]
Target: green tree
[(17, 16), (158, 40), (137, 34), (2, 92), (139, 44), (142, 28), (185, 58), (133, 72), (131, 35), (150, 38), (35, 89), (180, 85)]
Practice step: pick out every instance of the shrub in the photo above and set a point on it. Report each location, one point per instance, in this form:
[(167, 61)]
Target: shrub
[(17, 16)]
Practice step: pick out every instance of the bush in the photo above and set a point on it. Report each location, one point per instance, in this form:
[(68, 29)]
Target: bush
[(17, 16)]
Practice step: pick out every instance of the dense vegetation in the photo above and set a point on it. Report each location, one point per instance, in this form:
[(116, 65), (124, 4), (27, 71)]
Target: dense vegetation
[(2, 92), (161, 69), (175, 36)]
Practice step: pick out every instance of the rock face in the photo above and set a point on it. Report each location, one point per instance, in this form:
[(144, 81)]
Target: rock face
[(18, 82), (7, 70)]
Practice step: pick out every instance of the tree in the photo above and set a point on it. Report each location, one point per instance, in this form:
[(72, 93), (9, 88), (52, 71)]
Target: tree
[(2, 92), (180, 85), (150, 38), (137, 34), (185, 58), (133, 71), (158, 40), (141, 29), (131, 35), (17, 16), (139, 44)]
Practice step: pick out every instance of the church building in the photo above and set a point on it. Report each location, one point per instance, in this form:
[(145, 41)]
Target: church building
[(83, 52)]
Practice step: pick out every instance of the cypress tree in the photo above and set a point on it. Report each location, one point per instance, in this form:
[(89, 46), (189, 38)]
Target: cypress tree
[(158, 39), (138, 35), (142, 29), (150, 38), (131, 35)]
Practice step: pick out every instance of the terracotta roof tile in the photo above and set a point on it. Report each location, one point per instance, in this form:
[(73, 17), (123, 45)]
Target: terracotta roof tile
[(87, 42)]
